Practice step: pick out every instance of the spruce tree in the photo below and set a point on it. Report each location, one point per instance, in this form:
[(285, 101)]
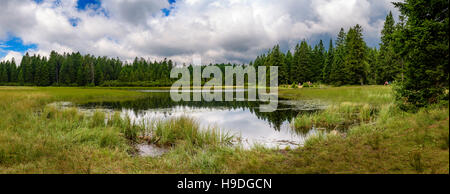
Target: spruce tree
[(387, 68), (27, 73), (288, 61), (337, 74), (53, 67), (317, 62), (3, 73), (14, 72), (276, 58), (425, 38), (65, 73), (328, 63), (355, 56), (301, 64), (43, 73)]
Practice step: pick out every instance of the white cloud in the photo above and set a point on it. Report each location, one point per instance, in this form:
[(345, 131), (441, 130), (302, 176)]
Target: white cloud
[(13, 55), (219, 31)]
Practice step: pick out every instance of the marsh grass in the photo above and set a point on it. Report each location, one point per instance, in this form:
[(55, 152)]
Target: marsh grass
[(339, 116), (35, 138), (98, 119), (172, 131), (372, 95)]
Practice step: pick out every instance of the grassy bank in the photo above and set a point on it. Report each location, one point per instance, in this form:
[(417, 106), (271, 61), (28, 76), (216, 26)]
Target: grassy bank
[(372, 95), (35, 138)]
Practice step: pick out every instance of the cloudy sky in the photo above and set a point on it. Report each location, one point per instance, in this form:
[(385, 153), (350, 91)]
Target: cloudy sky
[(217, 30)]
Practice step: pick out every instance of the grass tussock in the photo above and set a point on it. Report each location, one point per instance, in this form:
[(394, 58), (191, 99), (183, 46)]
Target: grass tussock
[(185, 130), (339, 116)]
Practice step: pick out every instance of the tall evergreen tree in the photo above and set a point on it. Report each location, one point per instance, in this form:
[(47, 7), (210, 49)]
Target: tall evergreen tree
[(355, 58), (425, 38), (53, 67), (372, 55), (301, 64), (26, 69), (3, 73), (65, 73), (337, 75), (387, 68), (44, 76), (276, 58), (317, 62), (289, 62), (328, 63), (14, 73)]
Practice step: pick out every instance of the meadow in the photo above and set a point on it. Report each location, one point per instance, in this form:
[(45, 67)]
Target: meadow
[(379, 138)]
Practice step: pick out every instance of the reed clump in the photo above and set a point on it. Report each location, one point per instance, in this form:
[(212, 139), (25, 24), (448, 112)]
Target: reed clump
[(343, 114), (185, 129)]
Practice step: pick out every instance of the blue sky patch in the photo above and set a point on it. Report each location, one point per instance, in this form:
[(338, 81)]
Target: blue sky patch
[(96, 5), (167, 11), (74, 21), (14, 44), (88, 4)]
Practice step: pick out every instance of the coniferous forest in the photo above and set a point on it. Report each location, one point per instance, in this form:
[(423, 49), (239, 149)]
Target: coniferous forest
[(342, 105), (349, 61), (413, 51)]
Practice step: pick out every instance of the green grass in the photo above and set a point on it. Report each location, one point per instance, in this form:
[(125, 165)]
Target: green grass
[(373, 95), (35, 138), (187, 130), (89, 94), (336, 116)]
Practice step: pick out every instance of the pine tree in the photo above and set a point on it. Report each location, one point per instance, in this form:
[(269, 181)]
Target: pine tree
[(37, 66), (20, 75), (387, 67), (43, 73), (27, 73), (65, 74), (53, 67), (425, 41), (3, 73), (301, 64), (317, 60), (98, 80), (337, 75), (14, 72), (355, 56), (83, 75), (288, 62), (328, 63), (372, 55), (77, 62), (276, 58)]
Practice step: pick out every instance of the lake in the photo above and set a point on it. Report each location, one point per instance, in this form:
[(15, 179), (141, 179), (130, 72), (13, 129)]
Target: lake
[(240, 118)]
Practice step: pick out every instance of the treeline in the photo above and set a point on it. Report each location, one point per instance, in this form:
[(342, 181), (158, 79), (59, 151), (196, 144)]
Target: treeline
[(74, 69), (347, 62), (413, 53)]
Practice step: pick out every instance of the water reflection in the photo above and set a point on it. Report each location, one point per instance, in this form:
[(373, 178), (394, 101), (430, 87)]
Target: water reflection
[(241, 118)]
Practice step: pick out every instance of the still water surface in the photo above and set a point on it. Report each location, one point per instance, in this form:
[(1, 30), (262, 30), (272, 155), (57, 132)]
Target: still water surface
[(240, 118)]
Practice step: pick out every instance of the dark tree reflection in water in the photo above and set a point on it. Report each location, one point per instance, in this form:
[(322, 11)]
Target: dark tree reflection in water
[(242, 118)]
